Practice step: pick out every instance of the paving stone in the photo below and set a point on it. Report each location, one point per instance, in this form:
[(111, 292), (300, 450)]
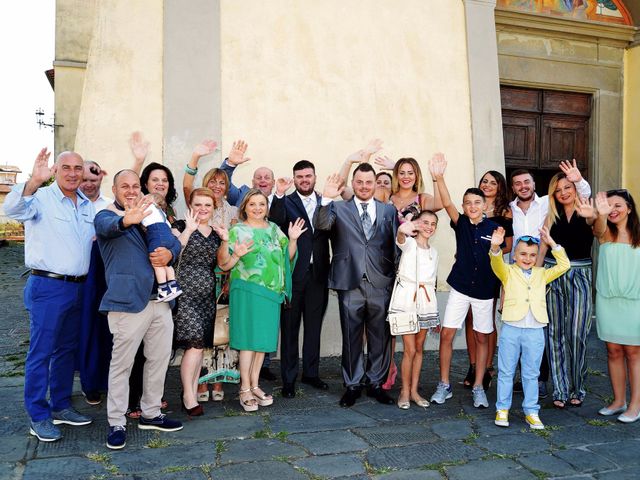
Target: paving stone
[(258, 470), (452, 429), (222, 428), (585, 461), (157, 459), (585, 435), (13, 448), (190, 474), (494, 469), (332, 465), (8, 470), (625, 454), (319, 420), (258, 449), (395, 435), (624, 474), (393, 414), (71, 468), (321, 443), (411, 475), (485, 426), (421, 454), (309, 399), (507, 445), (548, 463)]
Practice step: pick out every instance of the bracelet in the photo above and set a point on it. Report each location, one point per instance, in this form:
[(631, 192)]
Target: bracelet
[(190, 171)]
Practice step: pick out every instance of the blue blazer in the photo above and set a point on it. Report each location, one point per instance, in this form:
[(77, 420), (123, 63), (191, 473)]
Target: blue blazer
[(128, 272)]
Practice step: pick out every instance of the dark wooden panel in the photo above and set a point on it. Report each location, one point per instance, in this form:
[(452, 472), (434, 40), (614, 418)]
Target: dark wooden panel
[(521, 99), (564, 138), (520, 134), (566, 103)]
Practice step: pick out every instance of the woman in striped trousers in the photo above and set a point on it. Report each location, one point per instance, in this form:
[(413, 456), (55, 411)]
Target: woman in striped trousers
[(569, 301)]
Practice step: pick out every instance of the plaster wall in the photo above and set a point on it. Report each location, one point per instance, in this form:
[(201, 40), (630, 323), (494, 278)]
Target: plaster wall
[(123, 84), (631, 150)]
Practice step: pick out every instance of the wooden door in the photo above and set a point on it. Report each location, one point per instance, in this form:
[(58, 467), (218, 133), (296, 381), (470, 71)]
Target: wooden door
[(543, 127)]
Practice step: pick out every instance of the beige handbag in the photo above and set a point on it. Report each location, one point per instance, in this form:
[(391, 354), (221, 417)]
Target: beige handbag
[(221, 326)]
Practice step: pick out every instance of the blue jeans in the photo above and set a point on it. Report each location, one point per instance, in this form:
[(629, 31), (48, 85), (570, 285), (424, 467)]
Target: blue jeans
[(55, 307), (526, 345)]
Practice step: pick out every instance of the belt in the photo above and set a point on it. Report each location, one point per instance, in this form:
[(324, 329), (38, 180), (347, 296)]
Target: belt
[(58, 276)]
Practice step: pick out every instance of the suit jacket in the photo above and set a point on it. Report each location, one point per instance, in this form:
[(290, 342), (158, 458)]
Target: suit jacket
[(129, 274), (521, 293), (288, 209), (235, 194), (354, 255)]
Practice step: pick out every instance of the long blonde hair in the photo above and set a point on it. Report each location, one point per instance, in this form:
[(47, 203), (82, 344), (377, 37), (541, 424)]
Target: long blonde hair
[(554, 214), (418, 187)]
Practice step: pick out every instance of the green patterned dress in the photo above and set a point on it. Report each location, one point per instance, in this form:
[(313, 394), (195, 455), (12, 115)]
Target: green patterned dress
[(260, 281)]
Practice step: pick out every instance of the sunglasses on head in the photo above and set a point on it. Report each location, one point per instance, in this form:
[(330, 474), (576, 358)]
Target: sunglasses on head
[(619, 192), (528, 238)]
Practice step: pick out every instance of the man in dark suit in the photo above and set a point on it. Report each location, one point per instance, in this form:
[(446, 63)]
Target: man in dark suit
[(133, 314), (363, 232), (310, 293)]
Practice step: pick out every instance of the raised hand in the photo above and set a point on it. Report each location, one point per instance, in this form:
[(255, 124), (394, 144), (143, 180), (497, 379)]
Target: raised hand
[(206, 147), (571, 171), (372, 147), (602, 204), (497, 237), (191, 220), (358, 156), (333, 187), (282, 185), (296, 229), (134, 215), (545, 236), (139, 147), (222, 232), (41, 171), (585, 207), (408, 228), (384, 162), (236, 155), (437, 165), (241, 249)]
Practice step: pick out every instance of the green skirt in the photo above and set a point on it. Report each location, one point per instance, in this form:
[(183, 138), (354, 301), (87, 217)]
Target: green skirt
[(254, 317)]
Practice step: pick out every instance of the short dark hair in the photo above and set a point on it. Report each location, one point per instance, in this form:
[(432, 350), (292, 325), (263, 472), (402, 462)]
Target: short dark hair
[(519, 171), (364, 167), (302, 164), (146, 173), (474, 191)]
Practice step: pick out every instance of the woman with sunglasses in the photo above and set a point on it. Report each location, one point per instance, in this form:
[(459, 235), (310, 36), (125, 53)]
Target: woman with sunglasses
[(569, 297), (617, 228)]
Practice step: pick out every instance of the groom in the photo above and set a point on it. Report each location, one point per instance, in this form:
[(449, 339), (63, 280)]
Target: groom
[(362, 270)]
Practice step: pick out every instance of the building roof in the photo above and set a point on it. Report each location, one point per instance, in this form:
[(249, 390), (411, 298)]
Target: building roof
[(10, 168)]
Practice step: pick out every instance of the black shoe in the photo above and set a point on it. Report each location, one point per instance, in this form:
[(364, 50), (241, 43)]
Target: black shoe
[(350, 396), (486, 380), (315, 382), (288, 390), (470, 379), (265, 374), (92, 398), (380, 395), (517, 386)]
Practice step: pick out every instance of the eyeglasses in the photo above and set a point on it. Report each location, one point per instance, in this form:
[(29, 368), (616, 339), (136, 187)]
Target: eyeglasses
[(528, 238)]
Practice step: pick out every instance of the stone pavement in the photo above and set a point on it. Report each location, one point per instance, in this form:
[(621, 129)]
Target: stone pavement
[(311, 437)]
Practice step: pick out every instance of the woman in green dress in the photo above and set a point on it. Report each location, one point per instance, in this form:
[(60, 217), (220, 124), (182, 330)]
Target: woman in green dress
[(261, 259), (617, 227)]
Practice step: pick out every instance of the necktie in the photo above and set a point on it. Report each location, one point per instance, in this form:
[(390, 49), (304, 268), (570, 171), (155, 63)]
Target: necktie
[(310, 208), (366, 221)]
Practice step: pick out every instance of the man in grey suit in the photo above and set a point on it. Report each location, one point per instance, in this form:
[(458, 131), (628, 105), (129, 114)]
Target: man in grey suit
[(363, 232)]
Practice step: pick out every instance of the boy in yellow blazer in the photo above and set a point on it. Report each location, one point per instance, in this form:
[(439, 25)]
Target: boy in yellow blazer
[(524, 316)]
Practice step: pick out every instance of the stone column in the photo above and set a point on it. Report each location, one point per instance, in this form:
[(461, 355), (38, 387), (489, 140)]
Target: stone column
[(484, 86)]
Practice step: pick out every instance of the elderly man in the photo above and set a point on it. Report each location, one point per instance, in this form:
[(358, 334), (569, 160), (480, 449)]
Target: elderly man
[(133, 314), (94, 348), (58, 235)]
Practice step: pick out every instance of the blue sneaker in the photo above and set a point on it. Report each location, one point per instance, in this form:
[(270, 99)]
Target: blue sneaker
[(443, 393), (45, 430), (117, 437), (70, 416), (161, 422)]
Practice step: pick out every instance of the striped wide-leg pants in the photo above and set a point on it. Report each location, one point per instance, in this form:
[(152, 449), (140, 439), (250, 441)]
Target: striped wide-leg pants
[(569, 305)]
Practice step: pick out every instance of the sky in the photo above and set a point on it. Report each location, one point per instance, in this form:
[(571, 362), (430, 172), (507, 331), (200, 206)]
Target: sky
[(27, 43)]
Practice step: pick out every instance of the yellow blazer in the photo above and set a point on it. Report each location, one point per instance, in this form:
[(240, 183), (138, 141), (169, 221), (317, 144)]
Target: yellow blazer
[(522, 293)]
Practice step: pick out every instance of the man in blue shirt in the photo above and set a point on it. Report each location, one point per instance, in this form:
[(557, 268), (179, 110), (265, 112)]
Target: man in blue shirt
[(58, 236)]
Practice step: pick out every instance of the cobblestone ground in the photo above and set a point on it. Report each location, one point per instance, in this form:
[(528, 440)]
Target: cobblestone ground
[(311, 437)]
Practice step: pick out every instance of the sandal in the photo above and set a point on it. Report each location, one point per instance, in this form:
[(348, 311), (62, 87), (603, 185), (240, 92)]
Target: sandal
[(262, 398), (203, 395), (133, 414), (559, 404), (249, 403), (575, 402), (486, 380), (217, 395), (470, 379)]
